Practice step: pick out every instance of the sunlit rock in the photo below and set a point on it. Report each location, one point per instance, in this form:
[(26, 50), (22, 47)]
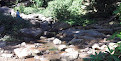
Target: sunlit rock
[(56, 41)]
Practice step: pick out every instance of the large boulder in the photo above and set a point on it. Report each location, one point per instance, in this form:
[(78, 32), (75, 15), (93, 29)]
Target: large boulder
[(60, 26), (2, 29), (31, 32), (79, 33), (2, 43), (7, 11)]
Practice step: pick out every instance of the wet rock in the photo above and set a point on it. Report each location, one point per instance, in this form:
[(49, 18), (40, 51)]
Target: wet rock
[(31, 32), (5, 55), (56, 41)]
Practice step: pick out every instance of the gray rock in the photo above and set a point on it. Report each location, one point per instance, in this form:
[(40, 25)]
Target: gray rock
[(86, 37), (60, 26), (7, 11), (78, 33), (76, 41), (30, 32), (45, 25), (2, 28), (2, 43)]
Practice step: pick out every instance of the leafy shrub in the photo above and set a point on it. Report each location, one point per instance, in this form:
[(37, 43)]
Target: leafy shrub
[(105, 56), (28, 10), (118, 11), (69, 11), (20, 8), (116, 34), (37, 3)]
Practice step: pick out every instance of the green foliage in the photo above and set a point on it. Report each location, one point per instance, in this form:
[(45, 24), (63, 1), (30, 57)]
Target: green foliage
[(118, 50), (112, 55), (37, 3), (56, 6), (118, 11), (102, 57), (28, 10), (77, 8), (69, 11), (116, 34), (20, 8), (64, 8)]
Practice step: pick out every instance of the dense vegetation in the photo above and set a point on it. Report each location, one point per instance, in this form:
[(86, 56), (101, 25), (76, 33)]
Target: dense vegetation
[(71, 11)]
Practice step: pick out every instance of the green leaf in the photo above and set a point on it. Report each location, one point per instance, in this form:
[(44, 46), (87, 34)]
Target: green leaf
[(110, 50)]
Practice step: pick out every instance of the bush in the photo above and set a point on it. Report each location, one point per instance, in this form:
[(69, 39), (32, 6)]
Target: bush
[(69, 11), (28, 10), (20, 8), (37, 3), (118, 11)]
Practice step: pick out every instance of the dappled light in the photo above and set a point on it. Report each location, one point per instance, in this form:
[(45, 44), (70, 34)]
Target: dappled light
[(60, 30)]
